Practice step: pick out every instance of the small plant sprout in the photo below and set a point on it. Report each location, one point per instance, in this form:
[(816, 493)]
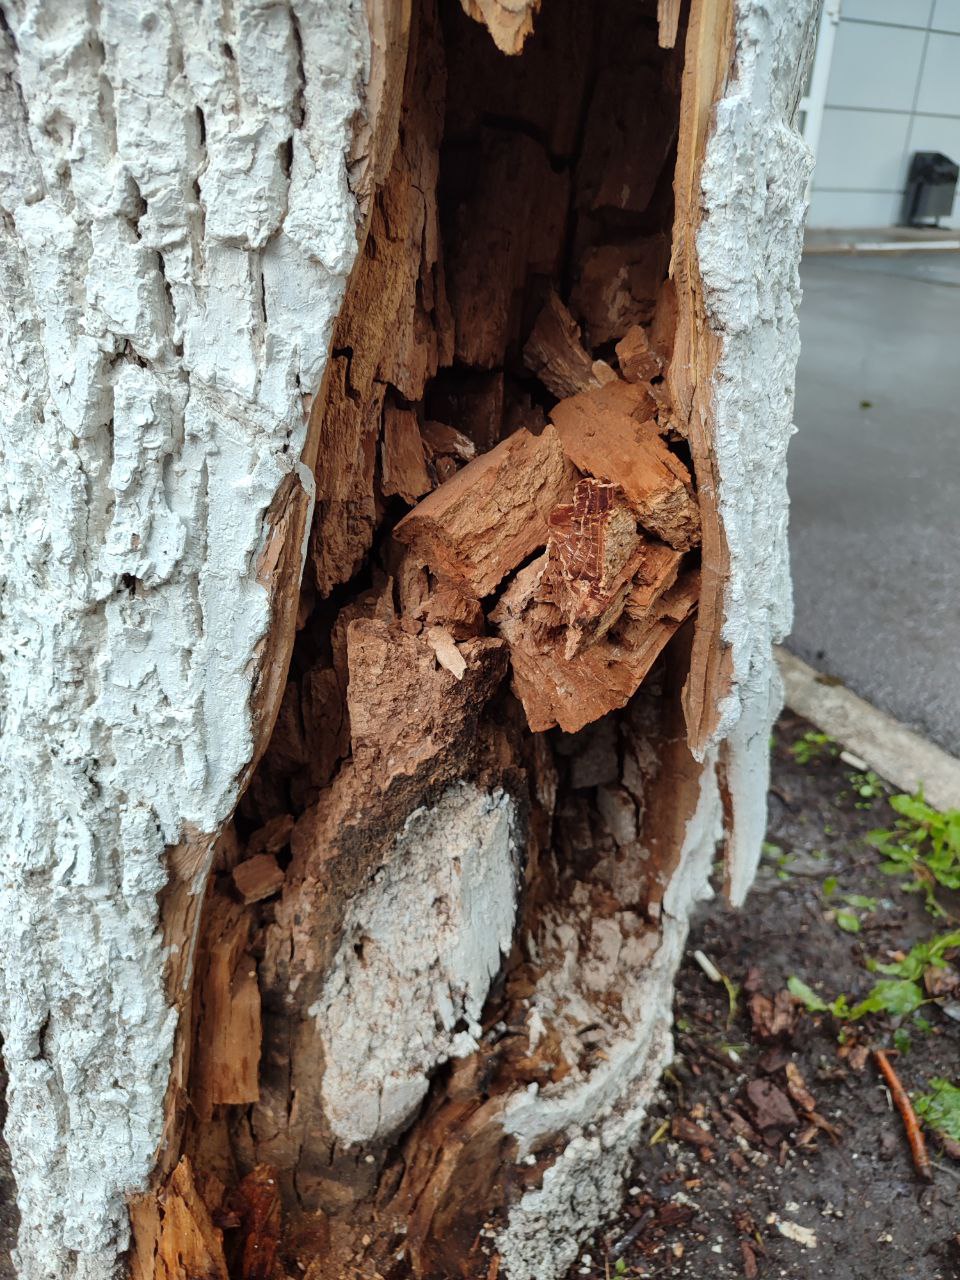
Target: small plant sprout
[(868, 786), (781, 860), (813, 746)]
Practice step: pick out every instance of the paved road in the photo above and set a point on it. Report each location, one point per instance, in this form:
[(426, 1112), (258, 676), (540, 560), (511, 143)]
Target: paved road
[(875, 483)]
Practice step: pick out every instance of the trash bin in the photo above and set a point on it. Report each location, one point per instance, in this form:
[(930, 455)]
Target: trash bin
[(931, 186)]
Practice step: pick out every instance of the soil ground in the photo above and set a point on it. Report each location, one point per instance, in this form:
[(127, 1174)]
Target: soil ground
[(711, 1208)]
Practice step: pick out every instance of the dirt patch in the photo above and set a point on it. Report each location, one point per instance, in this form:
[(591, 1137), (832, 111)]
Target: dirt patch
[(741, 1179)]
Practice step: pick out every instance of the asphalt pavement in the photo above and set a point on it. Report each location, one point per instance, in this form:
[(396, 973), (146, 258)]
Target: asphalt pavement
[(875, 483)]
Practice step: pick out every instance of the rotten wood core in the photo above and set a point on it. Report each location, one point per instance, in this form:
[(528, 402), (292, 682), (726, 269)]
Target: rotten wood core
[(515, 526)]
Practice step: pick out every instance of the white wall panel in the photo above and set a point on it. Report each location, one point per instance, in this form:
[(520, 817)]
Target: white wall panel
[(940, 82), (862, 149), (946, 15), (853, 209), (875, 66), (905, 13)]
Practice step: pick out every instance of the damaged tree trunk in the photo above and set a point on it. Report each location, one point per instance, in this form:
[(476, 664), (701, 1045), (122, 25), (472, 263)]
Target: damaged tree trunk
[(394, 525)]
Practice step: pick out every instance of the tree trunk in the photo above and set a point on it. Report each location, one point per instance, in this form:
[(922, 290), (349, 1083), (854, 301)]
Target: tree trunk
[(394, 526)]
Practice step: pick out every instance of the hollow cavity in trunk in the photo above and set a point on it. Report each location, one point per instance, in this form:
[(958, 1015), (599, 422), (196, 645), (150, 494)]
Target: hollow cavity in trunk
[(435, 950)]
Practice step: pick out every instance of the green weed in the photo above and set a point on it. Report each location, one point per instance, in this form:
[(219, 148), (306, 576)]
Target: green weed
[(899, 993), (922, 846), (940, 1108), (812, 746)]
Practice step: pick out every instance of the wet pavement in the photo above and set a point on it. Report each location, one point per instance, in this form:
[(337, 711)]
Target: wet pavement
[(875, 483)]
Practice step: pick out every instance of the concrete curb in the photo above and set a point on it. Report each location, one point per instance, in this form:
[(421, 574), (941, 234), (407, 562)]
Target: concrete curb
[(896, 753), (866, 247)]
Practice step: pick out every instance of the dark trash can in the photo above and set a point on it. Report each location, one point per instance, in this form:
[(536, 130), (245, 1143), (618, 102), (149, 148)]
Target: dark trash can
[(931, 186)]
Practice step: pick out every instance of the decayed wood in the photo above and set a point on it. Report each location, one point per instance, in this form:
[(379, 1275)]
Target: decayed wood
[(492, 514), (509, 206), (657, 573), (227, 1055), (394, 327), (388, 699), (637, 359), (444, 441), (177, 1238), (574, 692), (508, 21), (402, 462), (414, 729), (617, 286), (668, 18), (257, 1201), (556, 355), (594, 552), (471, 401), (690, 377), (630, 132), (258, 877), (605, 442), (542, 91)]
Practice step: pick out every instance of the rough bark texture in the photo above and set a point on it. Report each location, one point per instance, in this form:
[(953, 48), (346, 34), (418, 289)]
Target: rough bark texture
[(433, 978), (177, 234)]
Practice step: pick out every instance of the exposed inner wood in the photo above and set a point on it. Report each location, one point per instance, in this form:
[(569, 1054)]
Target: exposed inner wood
[(504, 570)]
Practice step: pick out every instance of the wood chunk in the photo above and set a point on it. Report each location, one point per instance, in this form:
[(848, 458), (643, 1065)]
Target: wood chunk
[(508, 213), (186, 1241), (459, 613), (404, 711), (638, 400), (657, 573), (258, 1201), (594, 552), (403, 468), (258, 877), (638, 361), (595, 536), (610, 445), (556, 355), (471, 401), (445, 647), (227, 1051), (668, 19), (572, 692), (271, 837), (492, 514), (508, 23), (617, 287), (442, 440)]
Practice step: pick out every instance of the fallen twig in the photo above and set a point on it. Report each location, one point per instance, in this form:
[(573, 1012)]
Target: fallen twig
[(918, 1148)]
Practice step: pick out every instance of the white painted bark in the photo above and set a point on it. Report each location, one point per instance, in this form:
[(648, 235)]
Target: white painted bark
[(177, 232), (420, 947), (749, 243)]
